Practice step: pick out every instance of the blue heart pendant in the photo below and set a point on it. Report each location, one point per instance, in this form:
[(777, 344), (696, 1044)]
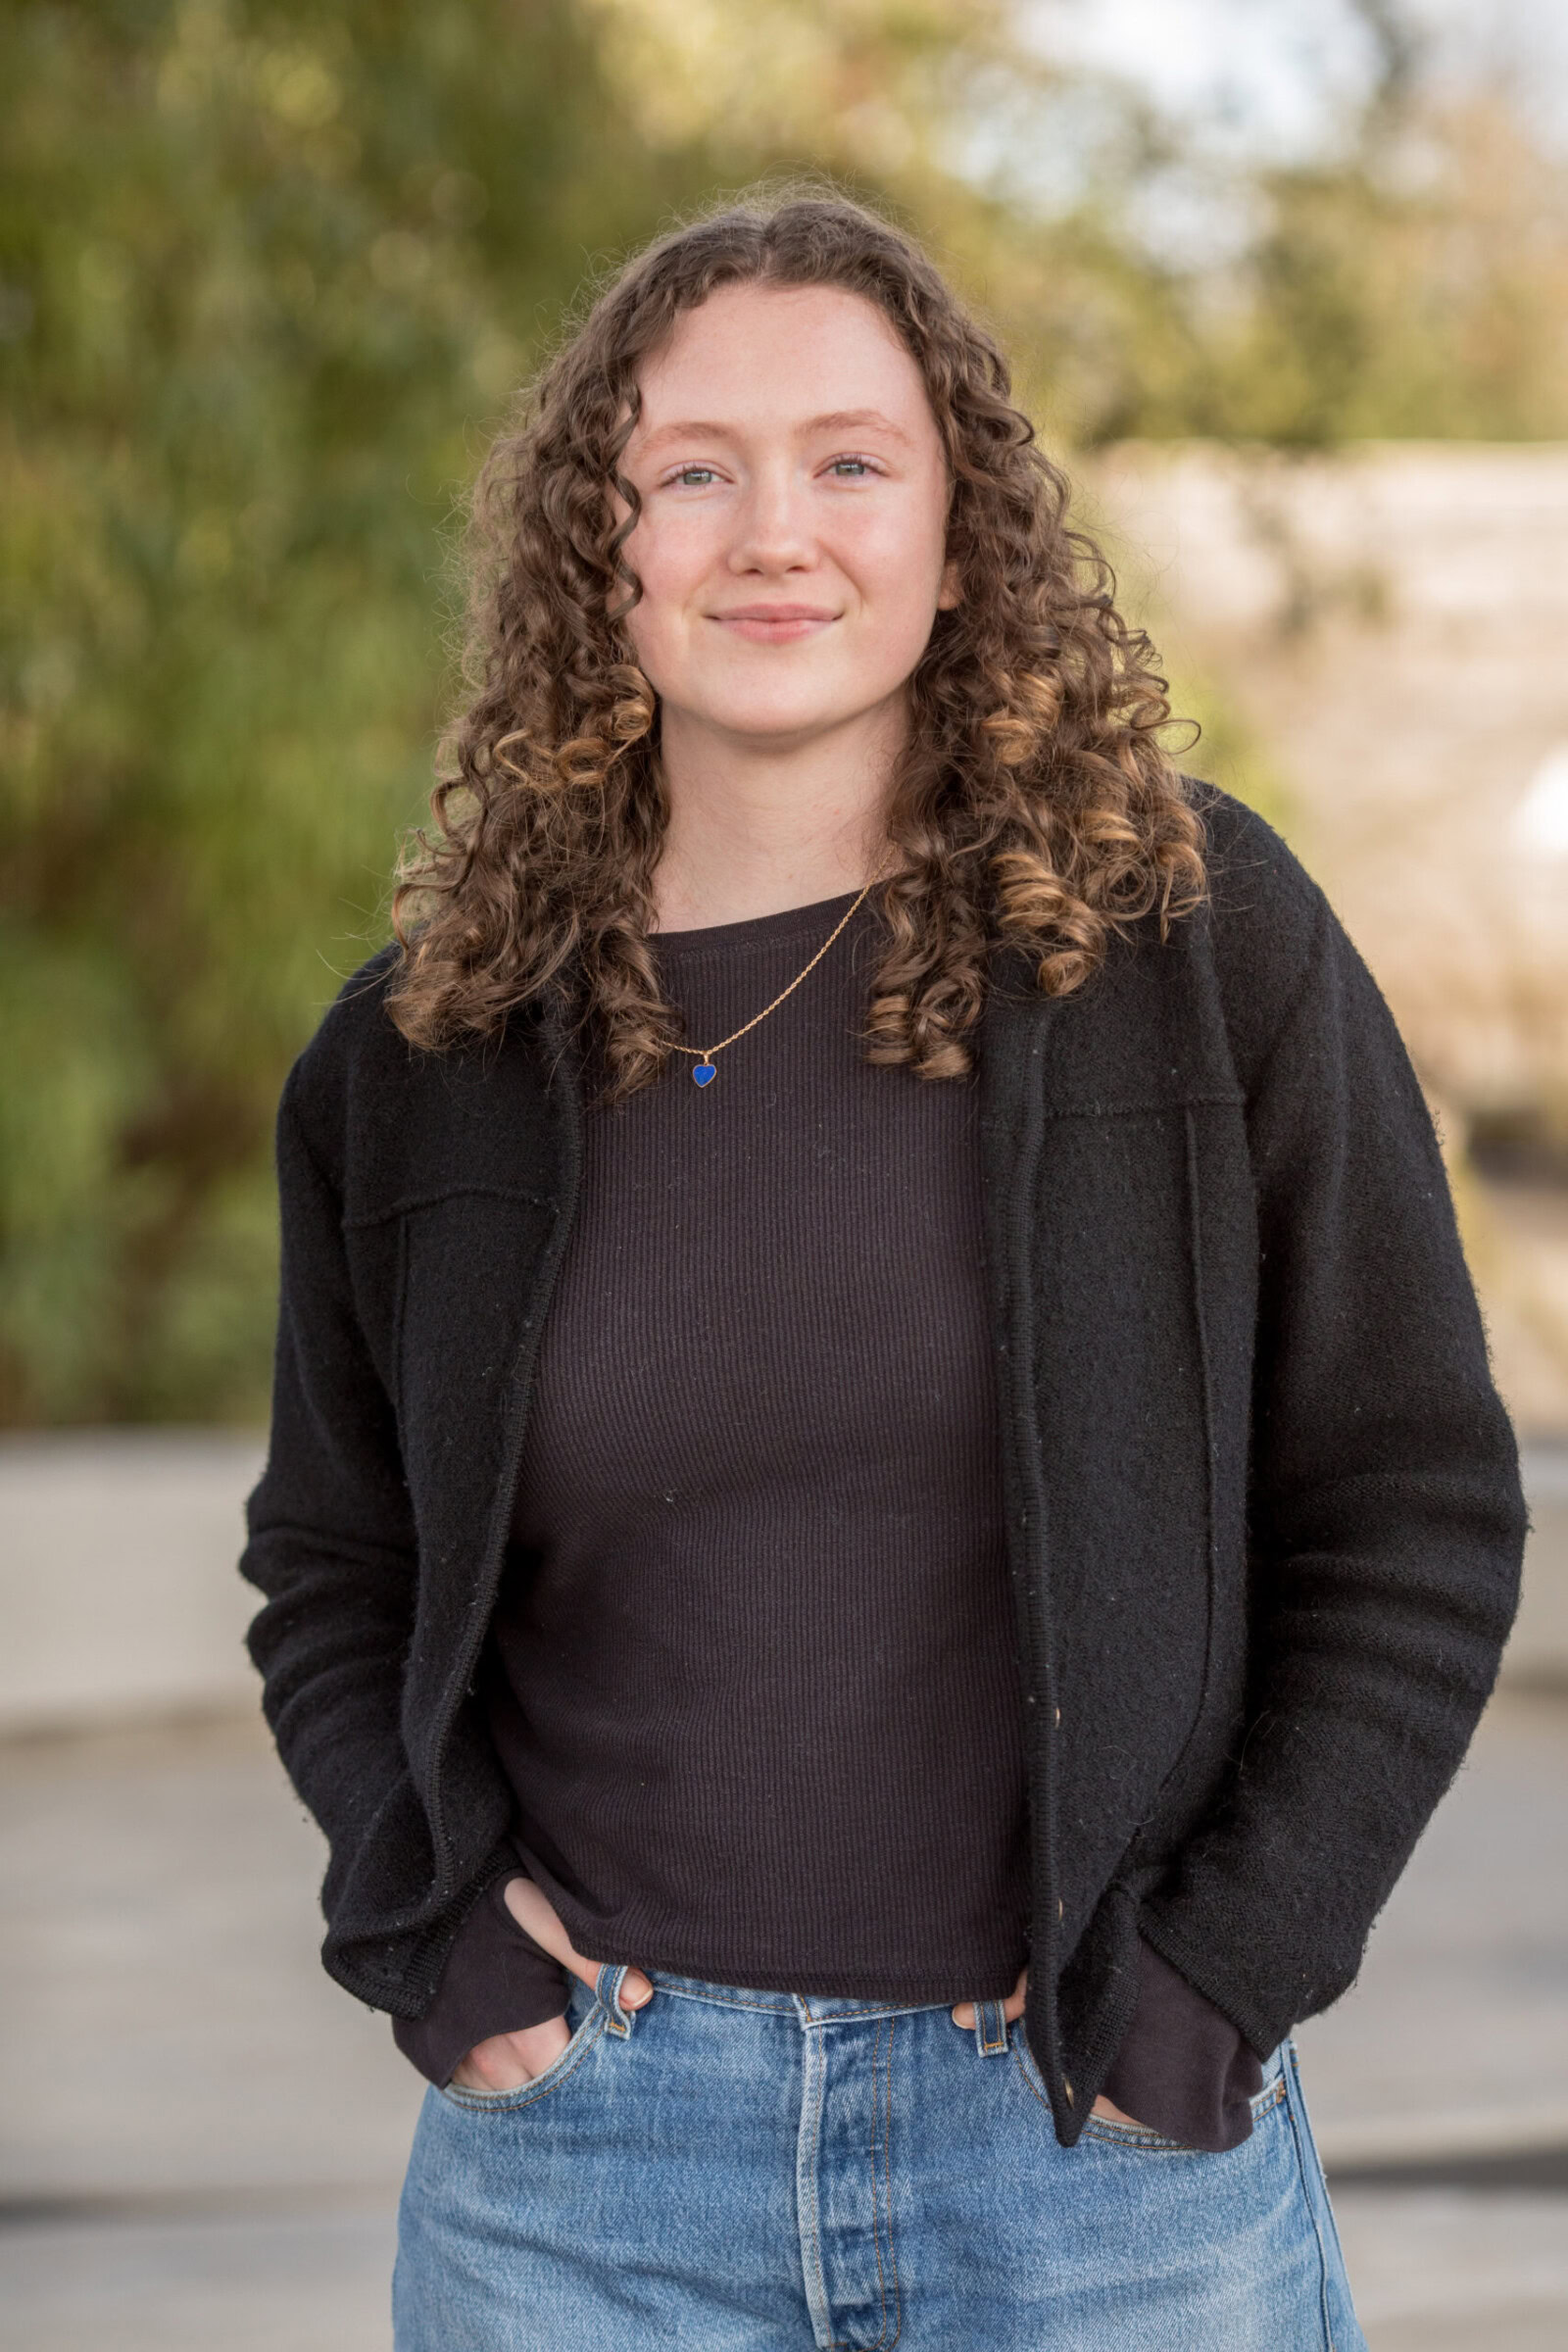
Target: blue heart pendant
[(704, 1073)]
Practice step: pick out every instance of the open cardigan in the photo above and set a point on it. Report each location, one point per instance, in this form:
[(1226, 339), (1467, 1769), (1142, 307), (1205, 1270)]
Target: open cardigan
[(1263, 1514)]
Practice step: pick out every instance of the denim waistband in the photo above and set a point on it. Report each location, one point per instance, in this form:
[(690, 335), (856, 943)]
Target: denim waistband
[(798, 2008), (823, 2008)]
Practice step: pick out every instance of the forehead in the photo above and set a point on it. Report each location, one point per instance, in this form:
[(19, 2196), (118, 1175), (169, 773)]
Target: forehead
[(783, 356)]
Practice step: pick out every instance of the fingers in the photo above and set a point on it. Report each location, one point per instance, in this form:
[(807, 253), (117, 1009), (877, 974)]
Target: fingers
[(1012, 2007), (534, 1912), (505, 2061)]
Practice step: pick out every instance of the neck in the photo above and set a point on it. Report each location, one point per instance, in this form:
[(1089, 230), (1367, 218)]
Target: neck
[(755, 830)]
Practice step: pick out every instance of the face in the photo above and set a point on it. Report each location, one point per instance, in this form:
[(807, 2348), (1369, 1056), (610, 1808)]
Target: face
[(790, 542)]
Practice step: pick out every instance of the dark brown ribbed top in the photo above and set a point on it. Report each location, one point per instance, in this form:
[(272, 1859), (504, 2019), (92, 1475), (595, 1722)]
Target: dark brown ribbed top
[(753, 1671)]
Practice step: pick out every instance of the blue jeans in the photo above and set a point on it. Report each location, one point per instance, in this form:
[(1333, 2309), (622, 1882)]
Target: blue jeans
[(733, 2171)]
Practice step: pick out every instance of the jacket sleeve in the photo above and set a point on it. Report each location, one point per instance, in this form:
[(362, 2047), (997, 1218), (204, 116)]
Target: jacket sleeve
[(331, 1541), (495, 1979), (1386, 1519), (1183, 2069)]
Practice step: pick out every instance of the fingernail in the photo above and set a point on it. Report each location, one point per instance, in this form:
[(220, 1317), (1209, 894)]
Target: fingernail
[(635, 1991)]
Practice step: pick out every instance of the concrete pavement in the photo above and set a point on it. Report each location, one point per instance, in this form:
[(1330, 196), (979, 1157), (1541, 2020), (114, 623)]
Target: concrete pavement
[(202, 2138)]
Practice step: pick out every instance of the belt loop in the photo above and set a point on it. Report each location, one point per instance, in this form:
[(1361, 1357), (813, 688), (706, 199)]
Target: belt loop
[(990, 2029), (611, 1976)]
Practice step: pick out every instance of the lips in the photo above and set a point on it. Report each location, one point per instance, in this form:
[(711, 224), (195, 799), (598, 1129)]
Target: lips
[(777, 613), (775, 623)]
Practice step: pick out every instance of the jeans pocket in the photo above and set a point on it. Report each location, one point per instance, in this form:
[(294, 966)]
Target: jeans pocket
[(589, 2027)]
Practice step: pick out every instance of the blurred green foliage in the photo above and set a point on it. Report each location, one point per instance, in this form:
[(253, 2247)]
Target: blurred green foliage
[(268, 275)]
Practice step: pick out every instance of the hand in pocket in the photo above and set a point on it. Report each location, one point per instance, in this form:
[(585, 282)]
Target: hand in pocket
[(505, 2061)]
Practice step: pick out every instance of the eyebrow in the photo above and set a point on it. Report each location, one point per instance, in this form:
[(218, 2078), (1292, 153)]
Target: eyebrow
[(837, 420)]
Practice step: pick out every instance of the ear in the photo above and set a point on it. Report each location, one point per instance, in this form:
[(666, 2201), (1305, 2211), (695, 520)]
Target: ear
[(951, 592)]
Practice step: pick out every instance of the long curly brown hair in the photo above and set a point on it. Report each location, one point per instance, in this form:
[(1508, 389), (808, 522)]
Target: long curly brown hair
[(1033, 799)]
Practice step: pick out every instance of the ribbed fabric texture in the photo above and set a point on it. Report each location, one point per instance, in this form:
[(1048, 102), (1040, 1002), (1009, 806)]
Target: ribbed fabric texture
[(752, 1674)]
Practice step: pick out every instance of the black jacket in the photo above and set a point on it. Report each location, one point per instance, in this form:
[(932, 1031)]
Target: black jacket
[(1262, 1498)]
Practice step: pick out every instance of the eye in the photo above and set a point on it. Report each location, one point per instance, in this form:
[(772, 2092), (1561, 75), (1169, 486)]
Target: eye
[(688, 476), (850, 469)]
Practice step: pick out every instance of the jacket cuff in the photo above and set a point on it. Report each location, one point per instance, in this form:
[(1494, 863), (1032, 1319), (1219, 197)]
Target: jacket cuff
[(496, 1981), (1183, 2069)]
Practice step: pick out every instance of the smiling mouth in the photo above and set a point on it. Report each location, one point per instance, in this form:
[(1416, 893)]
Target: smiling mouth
[(773, 623)]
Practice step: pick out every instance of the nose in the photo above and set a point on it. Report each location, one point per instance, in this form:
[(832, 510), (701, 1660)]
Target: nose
[(773, 532)]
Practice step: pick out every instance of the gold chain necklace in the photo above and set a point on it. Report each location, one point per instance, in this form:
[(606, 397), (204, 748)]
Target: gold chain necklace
[(704, 1073)]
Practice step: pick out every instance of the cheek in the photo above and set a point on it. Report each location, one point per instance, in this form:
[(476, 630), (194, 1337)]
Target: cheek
[(671, 565), (900, 544), (898, 561)]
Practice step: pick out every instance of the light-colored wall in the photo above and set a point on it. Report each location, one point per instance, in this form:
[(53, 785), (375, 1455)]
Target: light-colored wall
[(1390, 624), (1393, 621), (120, 1599), (119, 1595)]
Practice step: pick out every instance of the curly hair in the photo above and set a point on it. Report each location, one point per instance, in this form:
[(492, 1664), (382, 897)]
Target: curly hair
[(1032, 801)]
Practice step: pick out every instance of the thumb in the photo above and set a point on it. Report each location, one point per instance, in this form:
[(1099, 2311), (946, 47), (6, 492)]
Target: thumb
[(963, 2012), (533, 1910)]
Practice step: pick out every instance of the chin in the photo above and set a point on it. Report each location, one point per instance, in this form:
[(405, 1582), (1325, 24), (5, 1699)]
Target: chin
[(774, 718)]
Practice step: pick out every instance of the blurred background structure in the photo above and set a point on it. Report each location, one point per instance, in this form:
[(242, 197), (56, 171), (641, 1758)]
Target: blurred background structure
[(1287, 286)]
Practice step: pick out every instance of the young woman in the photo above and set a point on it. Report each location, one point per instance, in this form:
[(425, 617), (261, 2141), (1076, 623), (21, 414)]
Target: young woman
[(886, 1514)]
